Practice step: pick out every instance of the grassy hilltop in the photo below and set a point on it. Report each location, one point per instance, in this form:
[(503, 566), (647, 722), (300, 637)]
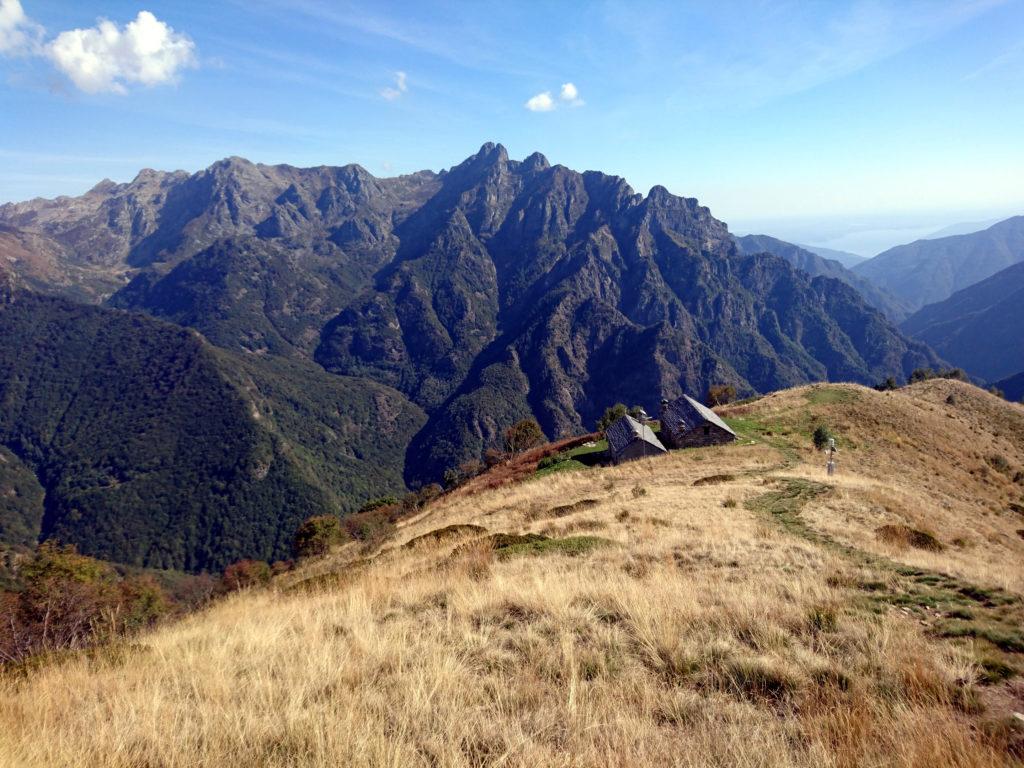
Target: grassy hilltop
[(727, 606)]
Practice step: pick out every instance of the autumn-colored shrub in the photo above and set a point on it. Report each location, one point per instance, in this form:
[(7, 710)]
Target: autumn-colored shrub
[(720, 394), (523, 435), (193, 591), (370, 527), (70, 600), (467, 470), (317, 535), (245, 574)]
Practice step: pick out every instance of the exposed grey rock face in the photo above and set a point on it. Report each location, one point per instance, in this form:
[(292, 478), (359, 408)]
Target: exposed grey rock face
[(495, 290)]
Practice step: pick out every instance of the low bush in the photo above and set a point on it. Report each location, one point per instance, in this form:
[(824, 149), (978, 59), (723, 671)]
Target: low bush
[(905, 536), (246, 574), (317, 535), (720, 394), (998, 462), (69, 600), (550, 461), (822, 436)]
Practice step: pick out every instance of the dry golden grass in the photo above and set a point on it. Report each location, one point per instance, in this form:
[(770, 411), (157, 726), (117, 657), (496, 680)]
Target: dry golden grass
[(702, 632)]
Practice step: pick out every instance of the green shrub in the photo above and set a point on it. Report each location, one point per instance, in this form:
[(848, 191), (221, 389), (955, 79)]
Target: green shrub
[(550, 461), (317, 535), (924, 374), (821, 437), (144, 601), (611, 414), (380, 501)]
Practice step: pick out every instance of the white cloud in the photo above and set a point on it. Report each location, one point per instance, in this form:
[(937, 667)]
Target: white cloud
[(568, 96), (391, 93), (18, 33), (571, 95), (108, 58), (542, 102)]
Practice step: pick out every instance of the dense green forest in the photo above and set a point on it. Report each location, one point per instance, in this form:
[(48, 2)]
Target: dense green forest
[(140, 443)]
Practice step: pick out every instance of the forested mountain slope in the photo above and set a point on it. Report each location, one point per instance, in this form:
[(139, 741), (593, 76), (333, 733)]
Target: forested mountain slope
[(141, 443)]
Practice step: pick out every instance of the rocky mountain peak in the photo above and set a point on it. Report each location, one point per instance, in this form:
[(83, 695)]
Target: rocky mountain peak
[(536, 162), (488, 156), (106, 187)]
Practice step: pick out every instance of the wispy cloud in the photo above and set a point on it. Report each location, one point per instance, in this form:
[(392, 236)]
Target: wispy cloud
[(1005, 59), (786, 48), (19, 35), (391, 93), (104, 58), (450, 36)]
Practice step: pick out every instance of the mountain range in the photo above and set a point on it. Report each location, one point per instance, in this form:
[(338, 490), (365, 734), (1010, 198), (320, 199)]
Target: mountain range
[(927, 271), (847, 259), (814, 265), (1012, 387), (433, 308), (979, 328)]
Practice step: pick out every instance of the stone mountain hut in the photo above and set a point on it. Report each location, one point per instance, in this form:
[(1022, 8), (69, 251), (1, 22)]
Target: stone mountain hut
[(685, 423), (628, 439)]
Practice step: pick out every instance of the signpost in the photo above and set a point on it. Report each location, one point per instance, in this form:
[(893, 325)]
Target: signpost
[(831, 466), (643, 423)]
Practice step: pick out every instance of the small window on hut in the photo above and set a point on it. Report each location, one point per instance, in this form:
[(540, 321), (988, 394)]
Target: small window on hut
[(707, 430)]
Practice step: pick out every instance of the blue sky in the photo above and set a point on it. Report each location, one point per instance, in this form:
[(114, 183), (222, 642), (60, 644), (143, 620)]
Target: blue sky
[(803, 119)]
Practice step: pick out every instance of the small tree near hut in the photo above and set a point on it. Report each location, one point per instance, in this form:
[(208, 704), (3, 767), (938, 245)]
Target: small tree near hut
[(720, 394), (523, 435), (822, 436), (611, 414)]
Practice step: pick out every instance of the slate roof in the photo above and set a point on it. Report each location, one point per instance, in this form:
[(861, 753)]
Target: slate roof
[(692, 414), (627, 429)]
